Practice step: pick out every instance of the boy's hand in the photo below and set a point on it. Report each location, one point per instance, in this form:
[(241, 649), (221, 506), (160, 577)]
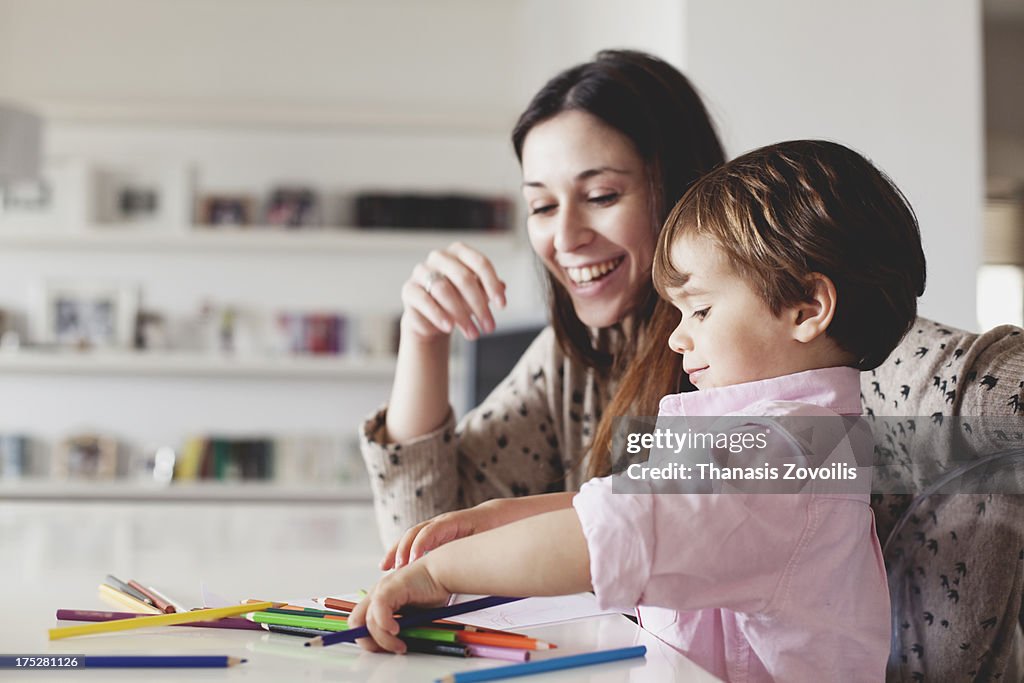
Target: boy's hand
[(435, 532), (412, 585)]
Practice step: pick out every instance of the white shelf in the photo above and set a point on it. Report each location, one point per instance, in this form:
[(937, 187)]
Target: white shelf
[(240, 492), (272, 114), (180, 364), (254, 238)]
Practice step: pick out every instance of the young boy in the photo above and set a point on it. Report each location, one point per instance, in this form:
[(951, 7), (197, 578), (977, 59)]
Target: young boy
[(794, 267)]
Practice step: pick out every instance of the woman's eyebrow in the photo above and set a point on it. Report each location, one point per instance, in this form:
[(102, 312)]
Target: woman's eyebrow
[(591, 172), (582, 175)]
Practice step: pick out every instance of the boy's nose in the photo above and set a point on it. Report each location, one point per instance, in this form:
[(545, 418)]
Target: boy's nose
[(679, 341)]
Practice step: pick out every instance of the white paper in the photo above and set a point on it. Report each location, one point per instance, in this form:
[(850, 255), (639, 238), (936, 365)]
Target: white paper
[(532, 611)]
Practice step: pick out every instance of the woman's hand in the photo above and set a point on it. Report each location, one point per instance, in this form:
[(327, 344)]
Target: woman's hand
[(454, 287), (450, 526), (435, 532), (412, 585)]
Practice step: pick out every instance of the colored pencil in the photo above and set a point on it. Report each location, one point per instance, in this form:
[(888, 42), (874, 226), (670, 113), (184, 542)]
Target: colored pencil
[(347, 606), (338, 603), (306, 612), (293, 630), (158, 620), (507, 653), (302, 622), (95, 615), (297, 608), (178, 607), (116, 597), (432, 647), (416, 618), (120, 585), (543, 665), (502, 640), (338, 625), (161, 605), (160, 661)]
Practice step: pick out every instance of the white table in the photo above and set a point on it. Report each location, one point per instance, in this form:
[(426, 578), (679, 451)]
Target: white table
[(54, 555)]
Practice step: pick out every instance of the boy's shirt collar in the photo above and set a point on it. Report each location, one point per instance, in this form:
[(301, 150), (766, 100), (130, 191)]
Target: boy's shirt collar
[(837, 389)]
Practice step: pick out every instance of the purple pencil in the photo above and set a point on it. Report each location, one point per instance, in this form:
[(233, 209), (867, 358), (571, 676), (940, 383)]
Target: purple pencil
[(93, 615), (414, 617), (506, 653)]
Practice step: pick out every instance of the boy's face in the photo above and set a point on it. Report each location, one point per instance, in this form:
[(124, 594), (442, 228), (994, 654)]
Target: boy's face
[(727, 334)]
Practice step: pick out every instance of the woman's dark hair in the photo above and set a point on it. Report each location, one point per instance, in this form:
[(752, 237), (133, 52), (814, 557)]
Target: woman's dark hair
[(657, 109)]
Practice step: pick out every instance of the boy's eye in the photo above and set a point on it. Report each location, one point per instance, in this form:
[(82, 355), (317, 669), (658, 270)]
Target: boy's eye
[(702, 313), (543, 209), (604, 199)]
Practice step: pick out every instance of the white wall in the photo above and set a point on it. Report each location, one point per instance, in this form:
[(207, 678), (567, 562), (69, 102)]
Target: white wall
[(557, 35), (898, 81), (403, 94), (1004, 99), (340, 95), (390, 54)]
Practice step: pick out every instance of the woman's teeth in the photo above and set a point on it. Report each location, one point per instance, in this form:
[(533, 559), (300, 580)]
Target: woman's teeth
[(595, 272)]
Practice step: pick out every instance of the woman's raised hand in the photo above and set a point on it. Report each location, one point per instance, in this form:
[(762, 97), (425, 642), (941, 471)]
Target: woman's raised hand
[(454, 287), (445, 528)]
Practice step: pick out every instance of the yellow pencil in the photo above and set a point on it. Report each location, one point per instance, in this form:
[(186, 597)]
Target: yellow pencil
[(122, 599), (157, 620)]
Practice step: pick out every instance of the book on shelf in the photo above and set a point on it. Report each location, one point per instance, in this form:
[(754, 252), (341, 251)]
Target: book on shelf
[(437, 212)]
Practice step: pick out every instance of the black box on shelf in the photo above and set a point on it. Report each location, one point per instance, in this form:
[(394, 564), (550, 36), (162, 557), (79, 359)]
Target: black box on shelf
[(434, 212)]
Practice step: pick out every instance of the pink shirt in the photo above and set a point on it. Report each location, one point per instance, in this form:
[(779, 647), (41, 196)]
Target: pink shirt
[(753, 587)]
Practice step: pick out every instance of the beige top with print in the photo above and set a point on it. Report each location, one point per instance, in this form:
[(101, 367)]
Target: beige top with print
[(530, 435)]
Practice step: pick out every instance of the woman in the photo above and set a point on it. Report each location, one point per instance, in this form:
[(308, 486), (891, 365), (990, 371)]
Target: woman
[(606, 148)]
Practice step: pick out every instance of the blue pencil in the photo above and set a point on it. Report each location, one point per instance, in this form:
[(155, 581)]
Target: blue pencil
[(160, 661), (542, 665), (415, 617)]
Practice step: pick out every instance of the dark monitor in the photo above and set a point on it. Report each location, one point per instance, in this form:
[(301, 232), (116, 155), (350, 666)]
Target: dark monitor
[(493, 356)]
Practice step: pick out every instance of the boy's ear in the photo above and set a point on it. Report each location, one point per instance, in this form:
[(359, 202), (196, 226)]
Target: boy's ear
[(811, 318)]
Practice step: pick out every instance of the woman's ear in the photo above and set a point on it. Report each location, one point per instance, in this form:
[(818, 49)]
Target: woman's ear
[(812, 317)]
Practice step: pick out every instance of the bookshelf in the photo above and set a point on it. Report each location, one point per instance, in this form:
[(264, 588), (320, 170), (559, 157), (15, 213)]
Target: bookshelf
[(190, 364), (201, 491), (180, 270), (342, 240)]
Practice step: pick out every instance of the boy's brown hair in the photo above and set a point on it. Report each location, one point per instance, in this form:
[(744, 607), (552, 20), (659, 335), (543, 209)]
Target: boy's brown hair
[(782, 212)]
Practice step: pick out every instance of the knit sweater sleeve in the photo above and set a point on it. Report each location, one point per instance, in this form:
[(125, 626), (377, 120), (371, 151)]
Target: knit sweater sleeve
[(506, 446)]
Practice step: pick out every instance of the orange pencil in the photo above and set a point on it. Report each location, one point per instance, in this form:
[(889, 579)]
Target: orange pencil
[(502, 640)]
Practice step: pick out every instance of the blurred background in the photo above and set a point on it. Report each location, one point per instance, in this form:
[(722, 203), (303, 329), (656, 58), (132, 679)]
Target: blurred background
[(199, 285)]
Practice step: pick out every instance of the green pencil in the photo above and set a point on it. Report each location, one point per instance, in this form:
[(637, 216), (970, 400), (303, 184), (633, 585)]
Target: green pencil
[(299, 620), (322, 624)]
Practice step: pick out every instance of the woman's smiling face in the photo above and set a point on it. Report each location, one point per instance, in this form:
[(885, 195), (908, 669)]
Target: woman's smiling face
[(590, 213)]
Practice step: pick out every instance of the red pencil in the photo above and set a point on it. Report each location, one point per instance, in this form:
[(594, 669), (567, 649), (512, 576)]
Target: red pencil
[(157, 602)]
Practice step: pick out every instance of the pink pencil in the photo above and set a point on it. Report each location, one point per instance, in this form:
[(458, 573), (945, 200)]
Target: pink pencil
[(507, 653)]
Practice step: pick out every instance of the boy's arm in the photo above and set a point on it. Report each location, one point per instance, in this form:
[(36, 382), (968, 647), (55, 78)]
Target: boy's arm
[(541, 555), (544, 554)]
